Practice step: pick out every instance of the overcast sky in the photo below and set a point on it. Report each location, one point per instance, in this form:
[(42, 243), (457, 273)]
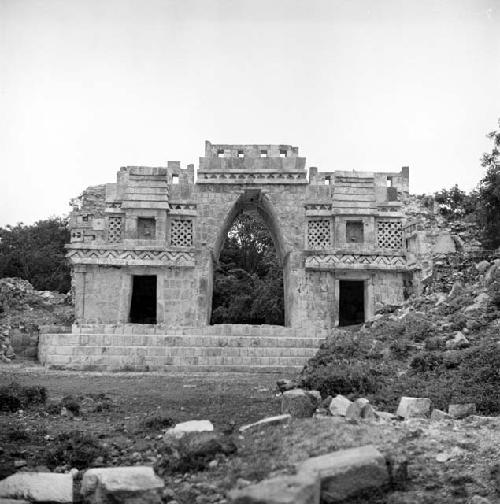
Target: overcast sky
[(87, 86)]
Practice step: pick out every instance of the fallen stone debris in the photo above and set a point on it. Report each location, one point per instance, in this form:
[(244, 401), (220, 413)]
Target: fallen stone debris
[(22, 311)]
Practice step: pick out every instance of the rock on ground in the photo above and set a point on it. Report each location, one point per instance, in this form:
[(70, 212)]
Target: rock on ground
[(265, 422), (438, 415), (38, 487), (461, 410), (137, 484), (345, 473), (303, 488), (414, 407), (339, 404)]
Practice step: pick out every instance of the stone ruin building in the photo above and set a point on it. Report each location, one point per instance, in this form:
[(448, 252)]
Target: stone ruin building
[(143, 252)]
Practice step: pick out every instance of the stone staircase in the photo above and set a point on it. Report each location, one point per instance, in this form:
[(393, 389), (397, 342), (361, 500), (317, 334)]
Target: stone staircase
[(243, 348)]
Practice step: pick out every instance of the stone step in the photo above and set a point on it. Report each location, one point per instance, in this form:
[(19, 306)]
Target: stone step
[(250, 352), (156, 340), (213, 348), (142, 362)]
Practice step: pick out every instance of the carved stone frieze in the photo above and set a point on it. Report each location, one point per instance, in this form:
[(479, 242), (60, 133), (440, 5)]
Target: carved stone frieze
[(353, 261), (108, 257)]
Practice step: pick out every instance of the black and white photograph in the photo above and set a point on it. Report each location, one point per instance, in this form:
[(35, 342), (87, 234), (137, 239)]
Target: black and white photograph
[(250, 251)]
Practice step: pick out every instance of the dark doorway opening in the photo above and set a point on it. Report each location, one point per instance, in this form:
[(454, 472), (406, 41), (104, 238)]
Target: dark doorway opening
[(143, 303), (351, 302)]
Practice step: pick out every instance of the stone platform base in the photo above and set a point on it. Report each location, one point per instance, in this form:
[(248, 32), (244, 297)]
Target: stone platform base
[(131, 347)]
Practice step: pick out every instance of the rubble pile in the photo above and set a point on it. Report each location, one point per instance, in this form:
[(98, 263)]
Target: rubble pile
[(441, 344), (22, 310)]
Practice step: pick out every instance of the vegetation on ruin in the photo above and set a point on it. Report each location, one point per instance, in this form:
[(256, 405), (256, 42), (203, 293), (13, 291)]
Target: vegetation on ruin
[(489, 192), (482, 205), (248, 281), (406, 353), (36, 253)]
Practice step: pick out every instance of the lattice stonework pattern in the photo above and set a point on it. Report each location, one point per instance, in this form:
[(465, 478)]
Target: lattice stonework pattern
[(390, 234), (181, 233), (115, 229), (318, 234)]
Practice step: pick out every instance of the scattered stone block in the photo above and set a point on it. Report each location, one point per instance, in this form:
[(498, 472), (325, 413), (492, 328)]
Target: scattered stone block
[(38, 487), (482, 266), (438, 415), (297, 403), (461, 410), (338, 405), (303, 488), (458, 341), (345, 473), (414, 407), (183, 428), (266, 422), (137, 485), (360, 408)]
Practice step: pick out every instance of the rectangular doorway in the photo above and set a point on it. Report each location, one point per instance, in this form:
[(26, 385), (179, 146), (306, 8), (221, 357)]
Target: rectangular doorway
[(143, 303), (351, 302)]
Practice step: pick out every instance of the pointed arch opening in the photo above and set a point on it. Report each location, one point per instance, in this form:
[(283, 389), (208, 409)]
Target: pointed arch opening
[(248, 273)]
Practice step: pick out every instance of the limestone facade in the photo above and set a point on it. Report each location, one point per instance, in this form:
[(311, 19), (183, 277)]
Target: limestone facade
[(329, 228)]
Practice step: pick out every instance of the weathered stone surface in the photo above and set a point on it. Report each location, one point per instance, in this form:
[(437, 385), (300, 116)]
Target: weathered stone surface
[(190, 426), (438, 415), (482, 266), (338, 405), (303, 488), (414, 407), (38, 487), (345, 473), (458, 341), (186, 219), (137, 484), (360, 408), (461, 410), (265, 422), (297, 403)]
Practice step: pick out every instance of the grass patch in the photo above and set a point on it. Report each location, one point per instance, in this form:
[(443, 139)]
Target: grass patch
[(74, 449), (15, 396)]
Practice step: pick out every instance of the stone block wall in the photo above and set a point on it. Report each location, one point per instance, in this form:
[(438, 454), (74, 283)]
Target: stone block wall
[(330, 227)]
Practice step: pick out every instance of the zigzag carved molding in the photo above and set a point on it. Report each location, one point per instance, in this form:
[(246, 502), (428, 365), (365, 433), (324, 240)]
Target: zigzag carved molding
[(131, 257), (342, 261)]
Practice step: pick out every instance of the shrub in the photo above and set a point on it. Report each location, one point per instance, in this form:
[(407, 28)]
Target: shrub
[(71, 404), (74, 449), (15, 396), (346, 379), (435, 343), (158, 421), (427, 361), (418, 328), (193, 452)]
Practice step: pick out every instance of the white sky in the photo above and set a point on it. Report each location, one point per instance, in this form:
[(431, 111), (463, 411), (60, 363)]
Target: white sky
[(87, 86)]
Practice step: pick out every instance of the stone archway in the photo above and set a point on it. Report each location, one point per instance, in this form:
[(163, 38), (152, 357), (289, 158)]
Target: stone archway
[(253, 200)]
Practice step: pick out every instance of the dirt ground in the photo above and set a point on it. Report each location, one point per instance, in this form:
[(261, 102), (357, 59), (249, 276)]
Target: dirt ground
[(448, 462), (220, 398)]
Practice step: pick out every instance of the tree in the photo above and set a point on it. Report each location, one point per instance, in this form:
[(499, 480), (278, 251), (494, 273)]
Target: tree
[(489, 193), (248, 282), (36, 253)]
